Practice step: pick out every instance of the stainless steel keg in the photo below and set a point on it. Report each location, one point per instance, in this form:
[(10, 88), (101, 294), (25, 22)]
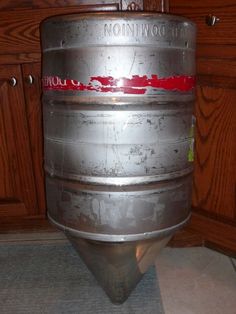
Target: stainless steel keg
[(118, 93)]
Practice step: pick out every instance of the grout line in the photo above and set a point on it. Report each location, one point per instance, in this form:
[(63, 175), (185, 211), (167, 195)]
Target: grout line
[(233, 263)]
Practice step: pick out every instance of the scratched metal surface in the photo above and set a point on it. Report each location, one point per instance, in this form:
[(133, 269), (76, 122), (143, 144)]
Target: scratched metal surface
[(113, 144), (120, 214), (121, 53), (118, 103)]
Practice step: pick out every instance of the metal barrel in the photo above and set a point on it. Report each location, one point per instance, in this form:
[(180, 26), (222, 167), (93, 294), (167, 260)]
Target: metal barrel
[(118, 93)]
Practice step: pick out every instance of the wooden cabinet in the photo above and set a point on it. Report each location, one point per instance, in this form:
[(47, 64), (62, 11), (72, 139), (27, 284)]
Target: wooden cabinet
[(214, 191), (32, 91), (18, 195), (214, 185), (214, 180), (22, 191)]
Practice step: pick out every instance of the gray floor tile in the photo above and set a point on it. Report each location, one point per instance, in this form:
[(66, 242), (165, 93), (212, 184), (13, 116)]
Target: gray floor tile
[(52, 279), (196, 281), (233, 261)]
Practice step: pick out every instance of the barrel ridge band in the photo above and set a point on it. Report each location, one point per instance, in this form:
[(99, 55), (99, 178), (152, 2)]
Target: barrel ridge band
[(120, 238), (118, 180)]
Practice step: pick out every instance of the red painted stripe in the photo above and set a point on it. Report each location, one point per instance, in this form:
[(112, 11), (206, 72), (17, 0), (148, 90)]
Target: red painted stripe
[(135, 85)]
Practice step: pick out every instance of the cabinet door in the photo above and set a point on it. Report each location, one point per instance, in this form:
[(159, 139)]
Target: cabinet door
[(17, 187), (32, 89), (215, 164)]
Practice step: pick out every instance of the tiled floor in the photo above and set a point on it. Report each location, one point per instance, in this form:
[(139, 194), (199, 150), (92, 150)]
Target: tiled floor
[(192, 280), (39, 278), (197, 281)]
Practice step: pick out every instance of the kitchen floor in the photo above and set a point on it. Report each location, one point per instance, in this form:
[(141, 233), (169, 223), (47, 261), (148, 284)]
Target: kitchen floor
[(191, 280), (196, 281)]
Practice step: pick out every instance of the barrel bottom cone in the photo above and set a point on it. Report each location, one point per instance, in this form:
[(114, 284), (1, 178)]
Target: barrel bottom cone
[(118, 267)]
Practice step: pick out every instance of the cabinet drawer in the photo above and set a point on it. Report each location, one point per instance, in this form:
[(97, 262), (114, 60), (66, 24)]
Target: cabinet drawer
[(19, 29), (223, 32)]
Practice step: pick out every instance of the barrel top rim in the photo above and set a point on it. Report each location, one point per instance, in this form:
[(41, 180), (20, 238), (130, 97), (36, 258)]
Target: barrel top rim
[(114, 14)]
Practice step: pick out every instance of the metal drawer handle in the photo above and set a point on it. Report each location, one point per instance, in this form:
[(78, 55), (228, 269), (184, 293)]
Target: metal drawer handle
[(29, 79), (133, 7), (12, 81), (211, 20)]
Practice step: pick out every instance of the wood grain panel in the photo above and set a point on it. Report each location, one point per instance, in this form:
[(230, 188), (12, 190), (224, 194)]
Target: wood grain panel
[(17, 181), (34, 117), (19, 30), (215, 162), (217, 81), (25, 225), (8, 185), (217, 235), (217, 72), (155, 6), (186, 238), (20, 58), (37, 4), (12, 208), (216, 51), (224, 32), (217, 67)]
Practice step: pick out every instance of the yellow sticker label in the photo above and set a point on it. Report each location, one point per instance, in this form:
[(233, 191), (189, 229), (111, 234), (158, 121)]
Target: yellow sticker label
[(191, 140)]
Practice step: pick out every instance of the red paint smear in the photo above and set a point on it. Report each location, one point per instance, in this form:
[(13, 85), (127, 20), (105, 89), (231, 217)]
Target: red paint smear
[(135, 85)]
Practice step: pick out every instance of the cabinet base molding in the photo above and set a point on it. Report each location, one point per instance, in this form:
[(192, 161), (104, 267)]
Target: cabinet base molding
[(25, 224), (208, 232), (201, 231), (217, 235)]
